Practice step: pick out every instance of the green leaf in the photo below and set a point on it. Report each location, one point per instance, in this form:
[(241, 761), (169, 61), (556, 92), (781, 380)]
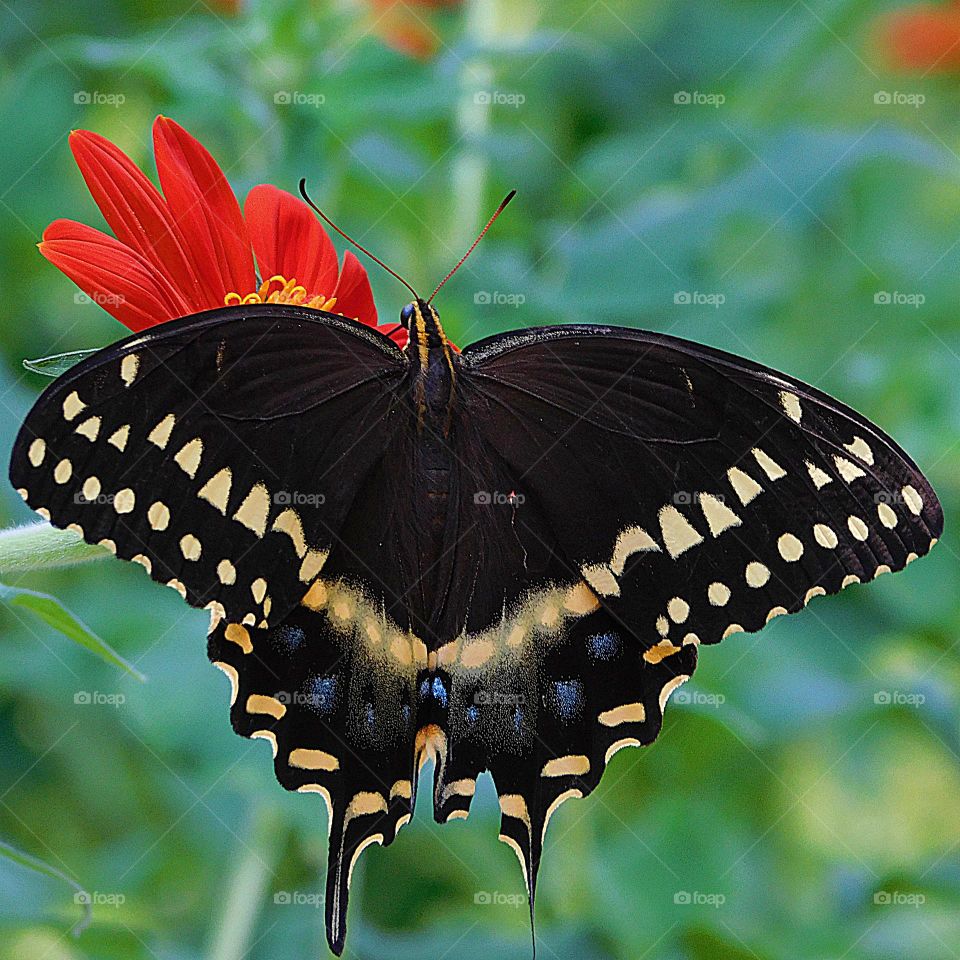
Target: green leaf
[(59, 363), (39, 866), (52, 612)]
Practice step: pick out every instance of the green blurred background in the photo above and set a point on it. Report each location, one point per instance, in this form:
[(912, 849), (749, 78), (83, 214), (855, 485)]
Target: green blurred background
[(754, 175)]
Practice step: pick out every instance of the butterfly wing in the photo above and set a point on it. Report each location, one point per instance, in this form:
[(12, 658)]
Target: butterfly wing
[(221, 451), (683, 494)]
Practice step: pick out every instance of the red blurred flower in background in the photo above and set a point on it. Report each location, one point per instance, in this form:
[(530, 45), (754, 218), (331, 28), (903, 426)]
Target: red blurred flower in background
[(190, 248), (406, 25), (923, 38)]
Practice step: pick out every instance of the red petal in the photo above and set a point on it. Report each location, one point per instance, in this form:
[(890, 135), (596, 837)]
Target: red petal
[(922, 38), (399, 335), (204, 207), (353, 293), (289, 240), (136, 212), (119, 279)]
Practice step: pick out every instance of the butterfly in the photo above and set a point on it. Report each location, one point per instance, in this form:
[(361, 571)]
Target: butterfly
[(499, 559)]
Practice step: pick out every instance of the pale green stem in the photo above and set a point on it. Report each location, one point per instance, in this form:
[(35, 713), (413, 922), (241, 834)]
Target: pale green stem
[(39, 546)]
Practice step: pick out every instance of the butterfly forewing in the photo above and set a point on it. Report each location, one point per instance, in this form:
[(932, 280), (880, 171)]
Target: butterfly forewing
[(221, 452)]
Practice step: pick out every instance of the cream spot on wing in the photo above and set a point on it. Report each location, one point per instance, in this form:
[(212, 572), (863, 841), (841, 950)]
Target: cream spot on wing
[(144, 562), (72, 406), (316, 597), (190, 547), (158, 516), (628, 713), (312, 564), (106, 543), (580, 600), (767, 464), (90, 428), (119, 437), (718, 594), (216, 491), (289, 523), (239, 635), (669, 687), (188, 457), (249, 620), (232, 675), (76, 528), (572, 794), (881, 570), (790, 547), (43, 512), (678, 610), (129, 366), (630, 541), (227, 573), (663, 626), (791, 405), (744, 486), (91, 488), (660, 651), (160, 435), (776, 612), (259, 589), (732, 629), (575, 765), (849, 580), (37, 451), (678, 534), (258, 703), (618, 745), (178, 586), (756, 574), (718, 515), (691, 639), (267, 735), (63, 471), (817, 591), (124, 500), (304, 758), (24, 493), (825, 536), (513, 805), (887, 517), (860, 448), (858, 528), (911, 556), (819, 477), (217, 614), (849, 471), (601, 578), (912, 499), (253, 512)]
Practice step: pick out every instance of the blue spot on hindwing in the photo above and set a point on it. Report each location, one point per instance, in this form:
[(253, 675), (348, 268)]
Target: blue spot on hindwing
[(320, 694), (566, 699), (603, 646)]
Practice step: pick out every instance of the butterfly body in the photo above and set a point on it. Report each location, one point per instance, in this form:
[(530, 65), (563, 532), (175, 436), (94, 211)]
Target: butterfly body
[(500, 559)]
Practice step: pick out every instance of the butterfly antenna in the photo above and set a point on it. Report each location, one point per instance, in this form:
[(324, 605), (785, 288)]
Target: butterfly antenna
[(473, 246), (349, 239)]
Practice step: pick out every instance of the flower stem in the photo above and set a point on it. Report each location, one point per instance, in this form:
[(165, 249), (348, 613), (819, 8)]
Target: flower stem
[(39, 546)]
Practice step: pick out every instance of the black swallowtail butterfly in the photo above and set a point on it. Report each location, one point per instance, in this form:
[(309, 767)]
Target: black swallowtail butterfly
[(503, 559)]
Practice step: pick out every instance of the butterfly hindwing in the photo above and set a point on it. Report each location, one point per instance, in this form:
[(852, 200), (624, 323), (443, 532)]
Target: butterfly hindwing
[(221, 451)]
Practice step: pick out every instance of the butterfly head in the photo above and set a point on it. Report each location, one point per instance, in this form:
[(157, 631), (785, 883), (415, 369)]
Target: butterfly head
[(422, 321)]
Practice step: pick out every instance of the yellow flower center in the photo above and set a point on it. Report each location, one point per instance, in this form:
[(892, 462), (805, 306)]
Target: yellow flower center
[(281, 290)]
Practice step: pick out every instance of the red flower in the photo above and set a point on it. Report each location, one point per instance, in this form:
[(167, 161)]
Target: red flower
[(403, 27), (925, 37), (190, 248)]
